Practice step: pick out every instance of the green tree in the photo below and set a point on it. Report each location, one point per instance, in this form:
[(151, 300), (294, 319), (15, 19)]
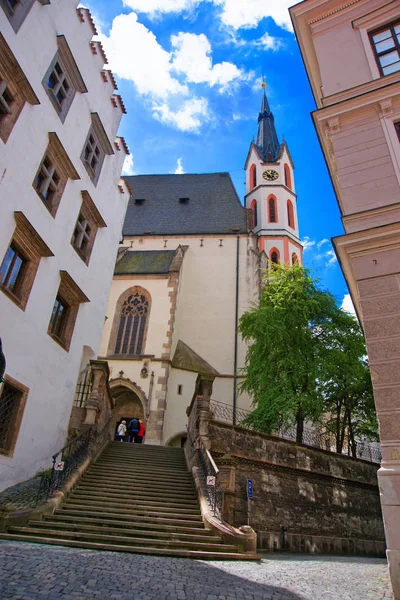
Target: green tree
[(306, 359), (346, 384)]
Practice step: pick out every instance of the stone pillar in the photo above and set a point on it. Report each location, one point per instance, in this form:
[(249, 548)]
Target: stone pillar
[(99, 404), (380, 303), (227, 485)]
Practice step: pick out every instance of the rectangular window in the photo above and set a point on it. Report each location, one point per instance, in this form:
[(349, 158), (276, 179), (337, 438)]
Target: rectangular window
[(65, 310), (12, 270), (16, 11), (58, 318), (46, 184), (386, 44), (53, 173), (58, 84), (397, 128), (6, 99), (21, 261), (93, 156), (12, 403), (88, 222)]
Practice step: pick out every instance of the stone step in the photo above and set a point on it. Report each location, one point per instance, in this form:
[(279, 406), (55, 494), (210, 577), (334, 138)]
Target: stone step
[(130, 500), (138, 521), (145, 476), (126, 465), (201, 555), (144, 483), (159, 470), (132, 506), (137, 512), (124, 539), (133, 491), (193, 535)]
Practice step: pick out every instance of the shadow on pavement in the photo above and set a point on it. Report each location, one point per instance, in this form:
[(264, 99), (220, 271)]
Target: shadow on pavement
[(325, 558), (48, 572)]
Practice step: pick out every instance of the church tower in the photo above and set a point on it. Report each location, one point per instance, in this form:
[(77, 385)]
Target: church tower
[(271, 193)]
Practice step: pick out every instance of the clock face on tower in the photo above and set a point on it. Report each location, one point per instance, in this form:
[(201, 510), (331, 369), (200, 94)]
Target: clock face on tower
[(270, 175)]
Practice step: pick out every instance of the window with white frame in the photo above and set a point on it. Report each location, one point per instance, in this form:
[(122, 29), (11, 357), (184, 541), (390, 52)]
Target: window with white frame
[(59, 87), (386, 45), (88, 222), (46, 183)]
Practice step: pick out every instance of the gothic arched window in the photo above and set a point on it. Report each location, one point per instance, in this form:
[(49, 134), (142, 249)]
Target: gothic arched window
[(288, 178), (272, 212), (274, 256), (290, 214), (133, 323), (295, 260), (253, 207), (253, 176)]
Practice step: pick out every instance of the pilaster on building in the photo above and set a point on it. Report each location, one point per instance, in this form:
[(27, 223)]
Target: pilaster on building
[(351, 52), (271, 193), (60, 165)]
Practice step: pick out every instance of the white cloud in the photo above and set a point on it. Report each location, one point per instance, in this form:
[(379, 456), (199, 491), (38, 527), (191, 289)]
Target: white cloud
[(135, 54), (153, 7), (322, 242), (248, 13), (268, 42), (192, 58), (307, 243), (179, 167), (127, 169), (348, 305), (330, 257), (189, 117), (234, 13)]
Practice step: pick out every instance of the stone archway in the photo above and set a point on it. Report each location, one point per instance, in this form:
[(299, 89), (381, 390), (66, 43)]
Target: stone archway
[(129, 400)]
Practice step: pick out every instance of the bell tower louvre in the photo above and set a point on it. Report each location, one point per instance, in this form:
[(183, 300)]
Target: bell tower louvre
[(270, 192)]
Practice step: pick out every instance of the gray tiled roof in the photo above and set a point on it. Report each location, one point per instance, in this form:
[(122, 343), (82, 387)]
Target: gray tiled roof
[(213, 208), (153, 262)]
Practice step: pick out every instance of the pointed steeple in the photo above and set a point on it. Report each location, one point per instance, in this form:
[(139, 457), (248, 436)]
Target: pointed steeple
[(267, 139)]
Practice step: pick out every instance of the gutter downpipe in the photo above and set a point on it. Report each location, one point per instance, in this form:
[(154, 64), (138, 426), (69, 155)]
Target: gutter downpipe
[(236, 332)]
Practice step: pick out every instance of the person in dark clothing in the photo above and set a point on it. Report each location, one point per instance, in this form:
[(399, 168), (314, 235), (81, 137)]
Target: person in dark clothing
[(133, 428), (140, 433)]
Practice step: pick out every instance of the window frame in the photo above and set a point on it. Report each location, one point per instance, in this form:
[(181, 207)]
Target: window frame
[(62, 166), (14, 425), (63, 107), (17, 14), (254, 210), (275, 209), (92, 216), (290, 214), (30, 245), (93, 172), (278, 255), (253, 176), (71, 297), (116, 334), (396, 46)]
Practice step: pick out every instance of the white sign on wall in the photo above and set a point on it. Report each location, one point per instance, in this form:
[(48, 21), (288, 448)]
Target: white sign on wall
[(59, 466), (210, 480)]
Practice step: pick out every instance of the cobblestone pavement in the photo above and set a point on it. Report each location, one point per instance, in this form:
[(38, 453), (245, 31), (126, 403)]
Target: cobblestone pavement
[(33, 572)]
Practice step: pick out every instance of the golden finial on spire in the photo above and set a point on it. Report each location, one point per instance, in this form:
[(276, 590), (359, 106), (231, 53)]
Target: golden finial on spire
[(263, 84)]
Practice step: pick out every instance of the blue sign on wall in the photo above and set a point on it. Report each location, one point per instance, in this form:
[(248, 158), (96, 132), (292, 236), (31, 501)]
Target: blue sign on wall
[(249, 488)]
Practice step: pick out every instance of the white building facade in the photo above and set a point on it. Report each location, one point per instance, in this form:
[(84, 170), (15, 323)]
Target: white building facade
[(190, 265), (62, 206)]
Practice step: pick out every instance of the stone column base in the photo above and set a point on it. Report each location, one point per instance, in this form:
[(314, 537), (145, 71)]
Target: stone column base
[(393, 557)]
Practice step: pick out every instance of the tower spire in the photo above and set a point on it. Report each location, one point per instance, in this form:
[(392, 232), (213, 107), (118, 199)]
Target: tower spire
[(267, 139)]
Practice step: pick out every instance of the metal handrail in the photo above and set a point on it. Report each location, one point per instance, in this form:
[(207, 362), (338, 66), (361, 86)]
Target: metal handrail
[(224, 413)]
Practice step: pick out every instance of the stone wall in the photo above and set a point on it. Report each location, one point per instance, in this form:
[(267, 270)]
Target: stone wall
[(305, 499)]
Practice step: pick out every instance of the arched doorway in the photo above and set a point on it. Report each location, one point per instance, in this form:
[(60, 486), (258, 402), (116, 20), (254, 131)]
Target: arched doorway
[(177, 441), (130, 401)]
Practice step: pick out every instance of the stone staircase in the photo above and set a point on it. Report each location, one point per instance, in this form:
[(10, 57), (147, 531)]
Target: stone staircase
[(135, 498)]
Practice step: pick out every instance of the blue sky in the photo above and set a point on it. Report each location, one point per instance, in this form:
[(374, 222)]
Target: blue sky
[(189, 72)]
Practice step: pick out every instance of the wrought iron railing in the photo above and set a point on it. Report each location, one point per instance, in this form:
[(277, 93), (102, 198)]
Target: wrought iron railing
[(83, 389), (68, 460), (224, 413)]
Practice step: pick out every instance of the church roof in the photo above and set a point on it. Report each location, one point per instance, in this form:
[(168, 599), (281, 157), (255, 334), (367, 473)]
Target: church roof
[(267, 138), (186, 358), (145, 262), (183, 204)]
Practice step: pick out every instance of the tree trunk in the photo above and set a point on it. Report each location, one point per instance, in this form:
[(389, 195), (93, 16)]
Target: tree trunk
[(300, 425), (352, 441)]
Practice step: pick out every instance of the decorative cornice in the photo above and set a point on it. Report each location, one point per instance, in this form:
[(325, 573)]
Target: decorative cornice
[(333, 12)]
